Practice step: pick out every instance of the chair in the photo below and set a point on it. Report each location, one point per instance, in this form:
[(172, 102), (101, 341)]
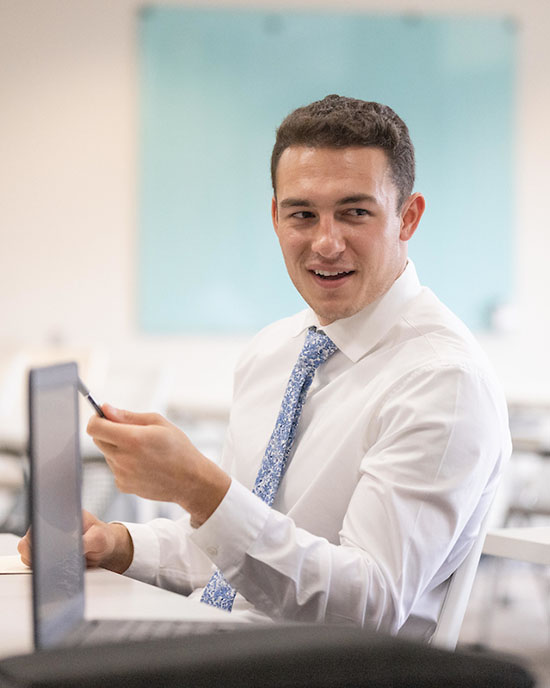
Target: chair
[(269, 656), (13, 428), (531, 545), (458, 593)]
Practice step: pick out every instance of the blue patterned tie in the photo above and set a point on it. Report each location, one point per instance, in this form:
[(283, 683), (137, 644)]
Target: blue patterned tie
[(317, 349)]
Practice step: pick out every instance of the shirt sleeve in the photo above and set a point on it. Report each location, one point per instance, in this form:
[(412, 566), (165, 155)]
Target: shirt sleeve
[(165, 556), (163, 553), (432, 455)]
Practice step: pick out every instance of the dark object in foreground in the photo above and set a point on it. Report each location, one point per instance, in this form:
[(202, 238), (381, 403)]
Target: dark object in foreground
[(279, 656)]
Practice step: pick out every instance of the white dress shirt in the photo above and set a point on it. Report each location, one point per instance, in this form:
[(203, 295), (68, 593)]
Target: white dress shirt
[(396, 459)]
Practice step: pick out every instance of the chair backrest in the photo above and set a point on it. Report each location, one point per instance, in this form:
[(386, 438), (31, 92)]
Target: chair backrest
[(266, 655), (458, 593)]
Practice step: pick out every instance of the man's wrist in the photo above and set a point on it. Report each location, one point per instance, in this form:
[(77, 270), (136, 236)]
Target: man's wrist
[(123, 549), (212, 488)]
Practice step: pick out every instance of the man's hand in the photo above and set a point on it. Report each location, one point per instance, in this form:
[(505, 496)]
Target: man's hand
[(108, 545), (24, 548), (104, 544), (154, 459)]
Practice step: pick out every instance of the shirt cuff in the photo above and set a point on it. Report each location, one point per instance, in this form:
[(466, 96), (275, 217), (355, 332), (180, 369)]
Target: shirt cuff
[(146, 561), (227, 534)]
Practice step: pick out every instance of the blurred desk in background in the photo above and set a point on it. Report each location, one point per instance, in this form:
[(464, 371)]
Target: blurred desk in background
[(523, 544), (530, 428)]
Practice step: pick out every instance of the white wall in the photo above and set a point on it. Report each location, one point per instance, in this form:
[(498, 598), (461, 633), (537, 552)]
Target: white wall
[(68, 186)]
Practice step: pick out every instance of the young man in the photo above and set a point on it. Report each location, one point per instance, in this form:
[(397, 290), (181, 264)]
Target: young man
[(375, 480)]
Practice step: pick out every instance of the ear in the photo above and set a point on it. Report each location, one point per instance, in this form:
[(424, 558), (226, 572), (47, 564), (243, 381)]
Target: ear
[(412, 211), (274, 215)]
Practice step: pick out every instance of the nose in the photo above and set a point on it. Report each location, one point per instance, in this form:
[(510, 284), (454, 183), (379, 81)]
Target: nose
[(328, 240)]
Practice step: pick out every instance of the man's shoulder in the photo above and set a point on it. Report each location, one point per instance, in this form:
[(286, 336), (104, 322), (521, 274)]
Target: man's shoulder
[(443, 335)]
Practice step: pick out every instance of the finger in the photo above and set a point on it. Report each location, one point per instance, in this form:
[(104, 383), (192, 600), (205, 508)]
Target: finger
[(106, 448), (122, 476), (123, 434), (88, 520), (131, 418), (95, 541), (24, 549), (101, 429), (94, 551)]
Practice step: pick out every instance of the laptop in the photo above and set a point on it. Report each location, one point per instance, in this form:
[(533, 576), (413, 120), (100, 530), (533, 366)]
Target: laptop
[(56, 520)]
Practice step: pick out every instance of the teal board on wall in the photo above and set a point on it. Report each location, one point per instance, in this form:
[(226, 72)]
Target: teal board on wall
[(215, 84)]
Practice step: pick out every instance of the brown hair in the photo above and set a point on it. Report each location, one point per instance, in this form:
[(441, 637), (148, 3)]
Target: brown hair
[(339, 122)]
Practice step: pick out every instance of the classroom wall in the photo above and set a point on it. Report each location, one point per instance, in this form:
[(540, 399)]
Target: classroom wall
[(68, 185)]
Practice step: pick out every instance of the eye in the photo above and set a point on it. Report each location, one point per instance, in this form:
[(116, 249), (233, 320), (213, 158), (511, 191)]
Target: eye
[(303, 215), (358, 212)]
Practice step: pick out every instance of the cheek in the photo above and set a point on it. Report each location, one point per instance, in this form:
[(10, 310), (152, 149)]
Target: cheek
[(377, 243), (292, 244)]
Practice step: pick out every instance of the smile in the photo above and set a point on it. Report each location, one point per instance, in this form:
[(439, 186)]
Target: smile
[(332, 275)]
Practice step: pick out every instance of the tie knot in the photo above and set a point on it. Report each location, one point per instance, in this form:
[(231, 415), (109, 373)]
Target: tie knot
[(318, 347)]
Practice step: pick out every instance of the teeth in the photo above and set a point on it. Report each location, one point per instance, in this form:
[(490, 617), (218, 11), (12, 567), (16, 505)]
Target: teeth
[(325, 273)]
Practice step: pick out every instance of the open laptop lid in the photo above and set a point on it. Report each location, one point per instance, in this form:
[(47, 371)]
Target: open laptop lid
[(55, 503)]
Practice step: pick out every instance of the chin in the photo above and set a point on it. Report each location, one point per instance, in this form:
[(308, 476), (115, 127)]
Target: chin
[(327, 317), (328, 311)]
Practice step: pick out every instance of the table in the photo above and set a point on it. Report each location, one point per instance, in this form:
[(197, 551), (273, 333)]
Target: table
[(108, 595), (524, 544)]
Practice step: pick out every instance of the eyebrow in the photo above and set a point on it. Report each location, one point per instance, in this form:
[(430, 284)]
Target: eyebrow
[(304, 203)]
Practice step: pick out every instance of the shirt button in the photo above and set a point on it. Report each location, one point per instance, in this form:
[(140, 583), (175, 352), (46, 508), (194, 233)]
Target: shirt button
[(212, 551)]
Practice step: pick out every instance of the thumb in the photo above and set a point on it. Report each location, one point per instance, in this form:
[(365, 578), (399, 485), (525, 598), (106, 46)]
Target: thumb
[(88, 520), (129, 417)]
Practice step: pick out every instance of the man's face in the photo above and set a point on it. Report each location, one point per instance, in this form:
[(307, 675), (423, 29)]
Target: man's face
[(341, 234)]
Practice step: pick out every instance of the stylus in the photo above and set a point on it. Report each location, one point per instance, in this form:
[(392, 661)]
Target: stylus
[(86, 393)]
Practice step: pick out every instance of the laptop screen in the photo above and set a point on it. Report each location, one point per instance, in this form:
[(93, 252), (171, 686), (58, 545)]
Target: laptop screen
[(55, 511)]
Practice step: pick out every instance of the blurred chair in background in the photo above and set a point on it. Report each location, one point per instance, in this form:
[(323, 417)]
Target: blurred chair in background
[(14, 369), (458, 593), (517, 546)]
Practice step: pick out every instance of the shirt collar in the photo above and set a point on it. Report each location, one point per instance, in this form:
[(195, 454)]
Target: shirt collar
[(357, 335)]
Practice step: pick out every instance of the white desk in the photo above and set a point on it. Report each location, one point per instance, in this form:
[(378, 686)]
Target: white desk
[(524, 544), (108, 595)]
